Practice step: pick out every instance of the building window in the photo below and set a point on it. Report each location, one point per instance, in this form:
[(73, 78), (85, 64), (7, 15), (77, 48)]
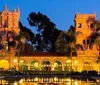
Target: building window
[(79, 25), (88, 42), (83, 41), (5, 24), (91, 25)]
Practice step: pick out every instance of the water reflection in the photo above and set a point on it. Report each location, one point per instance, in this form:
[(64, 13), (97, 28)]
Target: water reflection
[(47, 81)]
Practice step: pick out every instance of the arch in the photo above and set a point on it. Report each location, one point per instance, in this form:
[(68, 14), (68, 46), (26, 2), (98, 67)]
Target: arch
[(46, 65), (59, 59), (4, 64), (57, 65), (47, 59), (23, 65), (34, 65), (24, 59), (87, 65), (35, 60)]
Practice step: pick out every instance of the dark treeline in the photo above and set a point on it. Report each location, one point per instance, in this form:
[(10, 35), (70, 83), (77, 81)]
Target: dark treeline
[(47, 34), (48, 38)]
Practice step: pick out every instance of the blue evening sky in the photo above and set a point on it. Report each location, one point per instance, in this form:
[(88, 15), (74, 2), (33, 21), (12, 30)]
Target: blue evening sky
[(61, 12)]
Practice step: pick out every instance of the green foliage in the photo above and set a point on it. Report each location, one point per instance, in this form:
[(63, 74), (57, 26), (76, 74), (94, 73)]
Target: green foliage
[(97, 24), (31, 35), (61, 43)]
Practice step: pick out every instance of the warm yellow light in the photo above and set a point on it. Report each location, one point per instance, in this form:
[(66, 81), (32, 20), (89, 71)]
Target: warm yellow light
[(68, 79), (21, 81), (36, 64), (15, 61), (76, 82), (21, 61), (15, 83), (55, 79), (36, 79), (53, 68), (69, 83), (55, 64), (4, 64), (68, 61), (76, 62)]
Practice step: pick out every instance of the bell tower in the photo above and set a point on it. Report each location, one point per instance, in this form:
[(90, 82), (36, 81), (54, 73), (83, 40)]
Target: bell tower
[(84, 27), (9, 21)]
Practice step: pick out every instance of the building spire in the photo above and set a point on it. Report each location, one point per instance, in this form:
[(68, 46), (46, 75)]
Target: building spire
[(5, 7), (14, 10)]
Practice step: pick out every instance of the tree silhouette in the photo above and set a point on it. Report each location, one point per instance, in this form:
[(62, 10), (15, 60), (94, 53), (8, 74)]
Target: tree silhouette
[(46, 37), (31, 34)]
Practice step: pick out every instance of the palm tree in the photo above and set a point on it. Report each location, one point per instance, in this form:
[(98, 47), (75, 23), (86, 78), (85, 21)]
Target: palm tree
[(60, 43), (97, 39), (20, 39), (97, 25), (97, 42), (98, 62), (71, 41)]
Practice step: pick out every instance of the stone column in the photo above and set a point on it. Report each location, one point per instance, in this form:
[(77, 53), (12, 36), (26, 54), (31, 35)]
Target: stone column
[(62, 67), (28, 66), (40, 67), (52, 68)]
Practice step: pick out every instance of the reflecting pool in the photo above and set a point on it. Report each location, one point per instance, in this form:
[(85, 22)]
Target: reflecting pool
[(48, 81)]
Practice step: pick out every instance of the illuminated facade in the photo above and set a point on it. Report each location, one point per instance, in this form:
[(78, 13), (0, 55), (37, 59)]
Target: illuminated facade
[(85, 60), (84, 26), (9, 21)]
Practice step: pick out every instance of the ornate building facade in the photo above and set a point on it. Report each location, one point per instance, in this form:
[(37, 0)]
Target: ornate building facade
[(9, 21), (85, 59), (84, 26)]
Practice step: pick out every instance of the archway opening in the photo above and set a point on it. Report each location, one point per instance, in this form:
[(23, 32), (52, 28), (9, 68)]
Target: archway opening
[(4, 64), (87, 66), (46, 66), (34, 65), (57, 66), (23, 65)]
